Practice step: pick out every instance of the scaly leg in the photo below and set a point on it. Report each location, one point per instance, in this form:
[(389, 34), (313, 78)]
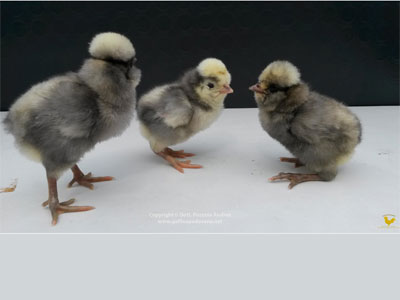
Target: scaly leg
[(169, 154), (58, 208), (296, 161), (296, 178), (85, 180)]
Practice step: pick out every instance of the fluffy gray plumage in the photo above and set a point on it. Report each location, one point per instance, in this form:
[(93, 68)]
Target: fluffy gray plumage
[(172, 113), (58, 120), (169, 116), (319, 131)]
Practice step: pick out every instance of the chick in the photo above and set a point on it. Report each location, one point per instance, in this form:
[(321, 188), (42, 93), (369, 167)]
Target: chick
[(172, 113), (55, 122), (319, 131)]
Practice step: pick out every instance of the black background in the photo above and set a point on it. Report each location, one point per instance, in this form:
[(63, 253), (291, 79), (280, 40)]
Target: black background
[(345, 50)]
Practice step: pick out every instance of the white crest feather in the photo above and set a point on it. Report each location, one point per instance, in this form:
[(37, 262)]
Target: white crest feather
[(281, 71), (212, 67), (111, 45)]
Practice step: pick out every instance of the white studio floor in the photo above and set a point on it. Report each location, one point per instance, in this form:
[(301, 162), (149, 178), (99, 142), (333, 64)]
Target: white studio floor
[(231, 194)]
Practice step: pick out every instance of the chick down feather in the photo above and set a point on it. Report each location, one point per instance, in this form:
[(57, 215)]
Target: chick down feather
[(172, 113), (318, 130), (58, 120)]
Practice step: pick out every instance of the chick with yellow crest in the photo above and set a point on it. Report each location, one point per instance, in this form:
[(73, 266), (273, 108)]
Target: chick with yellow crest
[(170, 114)]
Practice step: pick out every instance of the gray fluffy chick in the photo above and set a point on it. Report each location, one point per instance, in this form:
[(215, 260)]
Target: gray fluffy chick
[(172, 113), (319, 131), (55, 122)]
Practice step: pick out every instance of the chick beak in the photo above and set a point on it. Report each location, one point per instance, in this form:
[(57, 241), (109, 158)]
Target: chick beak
[(226, 89), (256, 88)]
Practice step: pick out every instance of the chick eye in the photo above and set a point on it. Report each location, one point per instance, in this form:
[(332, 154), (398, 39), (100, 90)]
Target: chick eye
[(273, 88), (210, 85)]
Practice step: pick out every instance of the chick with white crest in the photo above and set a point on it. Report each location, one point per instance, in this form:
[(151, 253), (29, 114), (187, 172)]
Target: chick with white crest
[(57, 121), (172, 113), (319, 131)]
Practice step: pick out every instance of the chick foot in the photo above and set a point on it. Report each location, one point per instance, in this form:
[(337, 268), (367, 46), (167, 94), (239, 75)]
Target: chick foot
[(177, 154), (63, 207), (177, 164), (57, 208), (296, 178), (86, 180), (296, 161)]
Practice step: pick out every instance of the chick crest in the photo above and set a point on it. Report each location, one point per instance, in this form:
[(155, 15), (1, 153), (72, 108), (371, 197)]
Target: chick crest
[(219, 80), (274, 81), (213, 67), (282, 72), (111, 45)]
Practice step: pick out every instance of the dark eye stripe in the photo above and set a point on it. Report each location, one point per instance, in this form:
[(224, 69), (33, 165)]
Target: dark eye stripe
[(273, 88)]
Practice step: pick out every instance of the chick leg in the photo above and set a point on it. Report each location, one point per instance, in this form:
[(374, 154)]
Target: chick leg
[(58, 208), (296, 161), (177, 164), (296, 178), (178, 154), (86, 180)]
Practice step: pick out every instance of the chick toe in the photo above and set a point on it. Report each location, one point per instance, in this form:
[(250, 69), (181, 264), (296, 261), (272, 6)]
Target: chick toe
[(296, 178), (64, 207), (177, 164), (68, 202), (178, 154), (86, 180)]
